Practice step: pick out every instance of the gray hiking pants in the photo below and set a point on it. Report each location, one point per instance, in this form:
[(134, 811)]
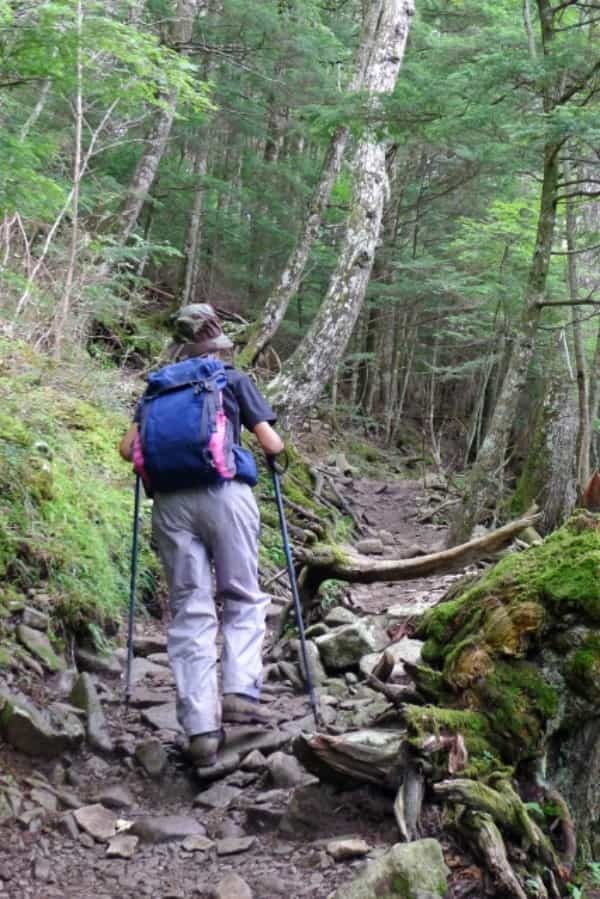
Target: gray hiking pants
[(192, 528)]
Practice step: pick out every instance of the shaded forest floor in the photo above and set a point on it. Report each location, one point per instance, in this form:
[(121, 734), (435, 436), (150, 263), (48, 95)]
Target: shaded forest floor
[(263, 823)]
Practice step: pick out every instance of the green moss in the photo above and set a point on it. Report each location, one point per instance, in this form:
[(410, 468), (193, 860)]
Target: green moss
[(517, 702), (66, 498), (583, 670), (474, 728), (6, 655)]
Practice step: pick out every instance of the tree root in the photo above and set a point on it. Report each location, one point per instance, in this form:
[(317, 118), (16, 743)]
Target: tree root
[(408, 803), (507, 810), (480, 829)]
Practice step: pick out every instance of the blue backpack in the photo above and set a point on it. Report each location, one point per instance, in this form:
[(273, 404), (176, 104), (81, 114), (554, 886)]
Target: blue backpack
[(184, 437)]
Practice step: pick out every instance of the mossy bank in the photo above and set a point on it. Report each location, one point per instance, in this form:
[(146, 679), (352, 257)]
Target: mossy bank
[(66, 498), (516, 658)]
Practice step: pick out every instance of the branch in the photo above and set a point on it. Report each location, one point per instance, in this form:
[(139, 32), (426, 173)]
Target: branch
[(543, 303), (575, 252), (323, 563)]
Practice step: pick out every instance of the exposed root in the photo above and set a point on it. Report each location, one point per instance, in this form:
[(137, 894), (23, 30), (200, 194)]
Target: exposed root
[(481, 830), (408, 803)]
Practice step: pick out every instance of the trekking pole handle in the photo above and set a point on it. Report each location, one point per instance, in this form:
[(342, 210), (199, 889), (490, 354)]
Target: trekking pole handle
[(274, 465)]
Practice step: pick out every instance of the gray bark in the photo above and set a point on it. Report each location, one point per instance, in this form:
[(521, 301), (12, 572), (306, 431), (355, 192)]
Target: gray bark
[(180, 32), (312, 364), (584, 436), (289, 280), (481, 488), (193, 237), (560, 491)]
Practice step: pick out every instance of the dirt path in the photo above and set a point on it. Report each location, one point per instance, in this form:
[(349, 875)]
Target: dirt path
[(248, 822)]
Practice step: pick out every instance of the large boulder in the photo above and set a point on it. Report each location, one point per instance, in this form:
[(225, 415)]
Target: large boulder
[(406, 871), (48, 733), (345, 646)]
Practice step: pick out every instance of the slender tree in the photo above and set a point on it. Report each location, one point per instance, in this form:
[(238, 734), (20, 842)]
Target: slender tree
[(289, 280), (313, 363), (180, 33), (481, 487)]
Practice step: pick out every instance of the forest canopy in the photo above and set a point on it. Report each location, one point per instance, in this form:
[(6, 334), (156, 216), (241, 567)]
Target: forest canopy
[(395, 206)]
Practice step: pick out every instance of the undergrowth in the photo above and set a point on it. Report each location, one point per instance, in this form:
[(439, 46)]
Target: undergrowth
[(66, 498)]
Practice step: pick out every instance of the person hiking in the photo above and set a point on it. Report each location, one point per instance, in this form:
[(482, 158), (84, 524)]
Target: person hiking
[(199, 527)]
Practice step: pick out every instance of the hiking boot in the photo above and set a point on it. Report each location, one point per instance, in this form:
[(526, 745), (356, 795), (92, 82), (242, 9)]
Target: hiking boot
[(239, 709), (203, 748)]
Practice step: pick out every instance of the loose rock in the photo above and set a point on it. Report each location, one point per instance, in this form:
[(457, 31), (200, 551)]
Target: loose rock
[(98, 663), (343, 849), (39, 645), (218, 796), (165, 828), (346, 645), (339, 615), (233, 845), (404, 871), (152, 757), (286, 771), (122, 846), (84, 696), (48, 734), (145, 645), (96, 821), (317, 671), (34, 618), (162, 717), (197, 843), (232, 886), (116, 797), (404, 650), (254, 761), (370, 546)]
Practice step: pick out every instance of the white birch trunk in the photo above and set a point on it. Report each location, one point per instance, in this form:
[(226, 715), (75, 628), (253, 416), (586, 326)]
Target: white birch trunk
[(312, 364), (289, 281)]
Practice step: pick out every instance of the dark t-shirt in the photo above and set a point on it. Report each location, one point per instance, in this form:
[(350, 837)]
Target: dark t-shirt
[(243, 402)]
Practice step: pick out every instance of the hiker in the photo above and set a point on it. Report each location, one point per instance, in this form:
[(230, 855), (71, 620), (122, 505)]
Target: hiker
[(199, 526)]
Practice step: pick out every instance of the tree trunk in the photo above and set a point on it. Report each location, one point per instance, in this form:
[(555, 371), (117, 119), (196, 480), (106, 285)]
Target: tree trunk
[(595, 398), (481, 488), (193, 235), (312, 364), (584, 436), (289, 279), (549, 474), (156, 143)]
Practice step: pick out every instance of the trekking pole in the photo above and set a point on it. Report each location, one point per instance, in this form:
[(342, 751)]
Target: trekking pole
[(294, 587), (134, 555)]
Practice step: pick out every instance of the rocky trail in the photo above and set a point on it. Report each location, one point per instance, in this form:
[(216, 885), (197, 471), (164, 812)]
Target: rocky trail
[(98, 800)]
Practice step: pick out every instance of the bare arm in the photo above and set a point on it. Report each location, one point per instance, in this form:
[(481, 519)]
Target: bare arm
[(126, 444), (268, 438)]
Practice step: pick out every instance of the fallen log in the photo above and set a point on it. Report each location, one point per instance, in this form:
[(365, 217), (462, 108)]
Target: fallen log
[(323, 563)]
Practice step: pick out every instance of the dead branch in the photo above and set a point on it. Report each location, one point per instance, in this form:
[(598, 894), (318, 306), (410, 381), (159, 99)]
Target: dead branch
[(325, 563)]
